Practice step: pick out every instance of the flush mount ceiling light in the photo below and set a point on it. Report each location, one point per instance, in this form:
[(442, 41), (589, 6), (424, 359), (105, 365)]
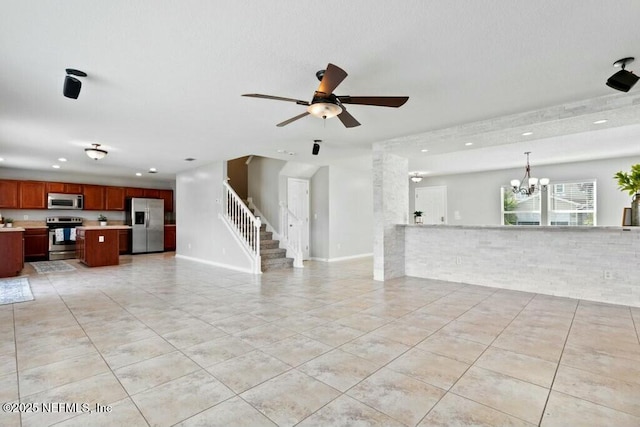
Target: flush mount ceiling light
[(95, 153), (531, 184), (416, 177), (623, 80), (72, 85)]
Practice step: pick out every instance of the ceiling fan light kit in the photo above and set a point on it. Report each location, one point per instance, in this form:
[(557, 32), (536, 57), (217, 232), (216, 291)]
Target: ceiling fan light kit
[(623, 80), (326, 105)]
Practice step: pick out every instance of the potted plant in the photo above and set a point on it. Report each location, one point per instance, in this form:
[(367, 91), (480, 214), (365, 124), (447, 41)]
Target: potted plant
[(630, 182), (102, 219), (8, 222), (417, 217)]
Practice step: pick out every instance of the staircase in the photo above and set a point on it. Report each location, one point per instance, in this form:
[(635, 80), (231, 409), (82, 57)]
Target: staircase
[(272, 257)]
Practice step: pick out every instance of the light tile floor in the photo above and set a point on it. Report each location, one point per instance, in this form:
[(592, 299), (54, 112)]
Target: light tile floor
[(162, 341)]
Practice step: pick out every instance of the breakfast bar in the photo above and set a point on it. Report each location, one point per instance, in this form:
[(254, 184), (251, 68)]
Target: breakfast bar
[(592, 263)]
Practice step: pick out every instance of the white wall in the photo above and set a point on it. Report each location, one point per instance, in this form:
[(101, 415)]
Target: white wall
[(476, 196), (201, 234), (265, 187), (319, 214), (350, 212)]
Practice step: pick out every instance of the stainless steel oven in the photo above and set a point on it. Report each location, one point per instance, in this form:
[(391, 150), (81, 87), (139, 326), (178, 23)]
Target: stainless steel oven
[(62, 236)]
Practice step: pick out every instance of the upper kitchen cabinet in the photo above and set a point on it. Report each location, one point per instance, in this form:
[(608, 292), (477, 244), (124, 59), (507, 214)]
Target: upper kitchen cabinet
[(152, 193), (64, 188), (134, 192), (9, 194), (94, 197), (32, 195), (167, 196), (114, 198)]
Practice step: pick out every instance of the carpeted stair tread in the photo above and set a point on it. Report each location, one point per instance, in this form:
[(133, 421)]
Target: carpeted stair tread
[(276, 263), (273, 253)]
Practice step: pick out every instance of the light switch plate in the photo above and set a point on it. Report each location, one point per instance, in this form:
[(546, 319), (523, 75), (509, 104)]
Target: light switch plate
[(100, 239)]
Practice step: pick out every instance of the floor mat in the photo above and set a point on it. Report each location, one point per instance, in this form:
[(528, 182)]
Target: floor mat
[(15, 289), (43, 267)]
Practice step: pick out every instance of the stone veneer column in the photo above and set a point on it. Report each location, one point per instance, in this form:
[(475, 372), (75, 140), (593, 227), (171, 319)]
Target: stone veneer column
[(390, 207)]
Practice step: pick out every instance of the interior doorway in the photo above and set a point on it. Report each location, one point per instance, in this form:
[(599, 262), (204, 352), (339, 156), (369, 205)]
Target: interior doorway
[(298, 203), (432, 201)]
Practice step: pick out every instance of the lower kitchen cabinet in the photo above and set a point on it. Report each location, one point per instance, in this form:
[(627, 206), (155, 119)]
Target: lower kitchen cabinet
[(124, 241), (11, 253), (36, 244), (169, 237)]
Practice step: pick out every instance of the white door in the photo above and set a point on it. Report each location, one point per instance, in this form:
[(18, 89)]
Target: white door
[(298, 203), (432, 201)]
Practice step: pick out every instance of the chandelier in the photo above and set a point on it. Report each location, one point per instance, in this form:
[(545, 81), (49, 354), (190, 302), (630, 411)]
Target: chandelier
[(531, 185)]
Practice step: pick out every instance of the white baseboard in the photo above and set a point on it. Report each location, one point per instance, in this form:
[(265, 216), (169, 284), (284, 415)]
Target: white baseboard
[(216, 264), (344, 258)]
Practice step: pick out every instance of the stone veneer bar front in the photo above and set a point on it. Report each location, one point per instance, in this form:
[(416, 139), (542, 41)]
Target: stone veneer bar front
[(592, 263)]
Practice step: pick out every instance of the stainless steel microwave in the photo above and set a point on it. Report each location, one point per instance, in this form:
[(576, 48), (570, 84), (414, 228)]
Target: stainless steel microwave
[(65, 201)]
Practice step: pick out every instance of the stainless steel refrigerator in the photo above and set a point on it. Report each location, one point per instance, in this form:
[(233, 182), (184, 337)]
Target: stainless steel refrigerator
[(146, 218)]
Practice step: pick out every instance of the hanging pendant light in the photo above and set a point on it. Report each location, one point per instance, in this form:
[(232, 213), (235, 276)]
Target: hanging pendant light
[(531, 184), (416, 177), (95, 153)]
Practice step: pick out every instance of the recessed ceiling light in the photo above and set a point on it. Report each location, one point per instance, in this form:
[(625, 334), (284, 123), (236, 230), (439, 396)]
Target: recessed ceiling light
[(153, 170), (62, 159), (599, 122), (424, 150), (55, 166), (138, 174), (468, 143), (1, 159), (527, 133)]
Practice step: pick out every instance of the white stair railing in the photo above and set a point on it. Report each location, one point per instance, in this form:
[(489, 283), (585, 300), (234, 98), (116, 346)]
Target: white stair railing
[(291, 234), (243, 222)]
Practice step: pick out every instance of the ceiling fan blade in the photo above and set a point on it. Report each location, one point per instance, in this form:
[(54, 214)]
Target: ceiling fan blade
[(293, 119), (380, 101), (333, 76), (277, 98), (348, 120)]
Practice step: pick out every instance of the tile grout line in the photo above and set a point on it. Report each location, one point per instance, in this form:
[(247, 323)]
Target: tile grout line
[(553, 380), (478, 357), (633, 320)]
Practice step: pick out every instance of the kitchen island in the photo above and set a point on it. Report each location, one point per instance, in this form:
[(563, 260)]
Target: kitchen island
[(11, 251), (98, 246), (592, 263)]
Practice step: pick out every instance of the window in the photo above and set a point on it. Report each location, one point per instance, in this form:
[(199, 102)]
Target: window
[(520, 209), (574, 205), (563, 203)]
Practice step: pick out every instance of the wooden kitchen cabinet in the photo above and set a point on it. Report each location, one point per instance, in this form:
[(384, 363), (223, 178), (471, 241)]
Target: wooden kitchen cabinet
[(9, 194), (152, 193), (11, 253), (94, 197), (134, 192), (114, 198), (36, 244), (124, 241), (167, 196), (64, 188), (97, 246), (32, 195), (169, 237)]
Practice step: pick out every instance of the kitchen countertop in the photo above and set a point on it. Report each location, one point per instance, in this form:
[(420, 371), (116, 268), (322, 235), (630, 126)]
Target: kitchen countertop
[(103, 227), (9, 229)]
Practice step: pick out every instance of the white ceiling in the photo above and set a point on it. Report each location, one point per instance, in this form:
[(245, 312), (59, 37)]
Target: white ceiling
[(165, 79)]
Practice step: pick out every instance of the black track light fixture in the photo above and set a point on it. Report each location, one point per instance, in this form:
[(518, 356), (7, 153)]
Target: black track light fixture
[(72, 85), (623, 80)]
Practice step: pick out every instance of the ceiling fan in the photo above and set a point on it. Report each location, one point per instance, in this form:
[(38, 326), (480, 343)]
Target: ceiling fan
[(326, 105)]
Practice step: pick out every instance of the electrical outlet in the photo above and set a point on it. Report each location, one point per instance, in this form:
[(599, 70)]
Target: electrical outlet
[(100, 239), (608, 275), (25, 217), (458, 260)]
